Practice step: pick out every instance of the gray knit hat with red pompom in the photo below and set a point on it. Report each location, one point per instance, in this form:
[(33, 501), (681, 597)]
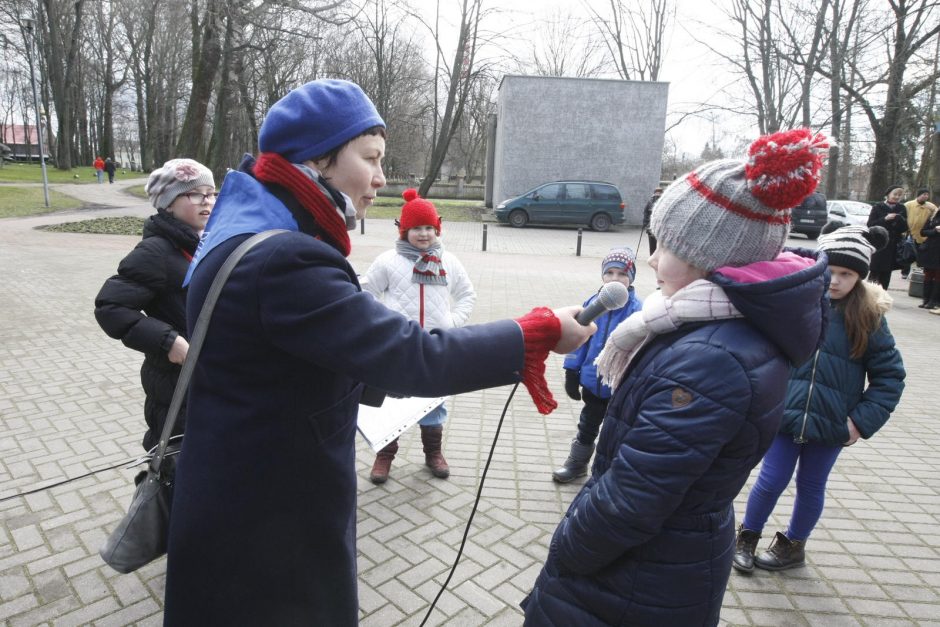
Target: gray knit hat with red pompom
[(177, 176), (733, 212)]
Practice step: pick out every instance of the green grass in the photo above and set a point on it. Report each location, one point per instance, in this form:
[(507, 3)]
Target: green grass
[(32, 173), (449, 209), (137, 190), (29, 201), (124, 225)]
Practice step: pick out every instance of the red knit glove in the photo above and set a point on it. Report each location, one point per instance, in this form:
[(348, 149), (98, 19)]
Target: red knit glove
[(541, 330)]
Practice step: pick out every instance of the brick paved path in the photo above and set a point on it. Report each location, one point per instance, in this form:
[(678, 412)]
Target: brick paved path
[(70, 401)]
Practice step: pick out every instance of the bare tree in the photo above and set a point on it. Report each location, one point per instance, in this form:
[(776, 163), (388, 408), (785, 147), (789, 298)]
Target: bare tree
[(110, 79), (207, 28), (771, 82), (566, 46), (634, 34), (928, 155), (915, 25), (384, 57), (61, 24), (463, 72), (842, 34)]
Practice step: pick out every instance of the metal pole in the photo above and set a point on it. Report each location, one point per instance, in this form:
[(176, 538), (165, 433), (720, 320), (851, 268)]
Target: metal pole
[(578, 253), (28, 24), (362, 226), (484, 237)]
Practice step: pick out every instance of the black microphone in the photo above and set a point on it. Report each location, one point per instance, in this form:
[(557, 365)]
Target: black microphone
[(612, 296)]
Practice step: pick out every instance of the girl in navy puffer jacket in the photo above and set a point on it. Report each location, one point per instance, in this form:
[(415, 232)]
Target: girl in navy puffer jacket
[(699, 379), (581, 380), (828, 404)]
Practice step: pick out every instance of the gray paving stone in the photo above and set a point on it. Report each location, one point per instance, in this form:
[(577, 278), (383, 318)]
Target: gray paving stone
[(70, 402)]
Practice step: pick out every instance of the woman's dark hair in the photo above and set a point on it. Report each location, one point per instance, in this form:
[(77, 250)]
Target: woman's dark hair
[(334, 153)]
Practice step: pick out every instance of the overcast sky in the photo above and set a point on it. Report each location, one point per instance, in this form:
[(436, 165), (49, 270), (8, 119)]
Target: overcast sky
[(692, 72)]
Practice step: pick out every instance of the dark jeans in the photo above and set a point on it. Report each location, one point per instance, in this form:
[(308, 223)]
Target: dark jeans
[(592, 415), (816, 462)]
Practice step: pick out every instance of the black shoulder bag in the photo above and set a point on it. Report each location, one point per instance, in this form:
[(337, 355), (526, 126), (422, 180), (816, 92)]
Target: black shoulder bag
[(141, 536)]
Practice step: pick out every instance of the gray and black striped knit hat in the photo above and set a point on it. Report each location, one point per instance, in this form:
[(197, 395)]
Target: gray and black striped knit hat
[(734, 212), (177, 176), (851, 246)]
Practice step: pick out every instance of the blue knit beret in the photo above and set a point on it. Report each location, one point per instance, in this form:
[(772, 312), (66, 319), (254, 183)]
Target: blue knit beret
[(315, 118)]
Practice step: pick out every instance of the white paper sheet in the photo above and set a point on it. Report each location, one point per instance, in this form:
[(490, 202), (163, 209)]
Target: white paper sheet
[(380, 425)]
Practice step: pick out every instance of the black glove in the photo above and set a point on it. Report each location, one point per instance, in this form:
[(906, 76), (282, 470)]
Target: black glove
[(573, 384)]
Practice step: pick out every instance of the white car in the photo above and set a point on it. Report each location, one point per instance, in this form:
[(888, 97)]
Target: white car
[(848, 211)]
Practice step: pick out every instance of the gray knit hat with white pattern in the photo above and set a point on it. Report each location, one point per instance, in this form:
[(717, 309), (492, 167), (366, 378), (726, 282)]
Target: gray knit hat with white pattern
[(177, 176), (733, 212)]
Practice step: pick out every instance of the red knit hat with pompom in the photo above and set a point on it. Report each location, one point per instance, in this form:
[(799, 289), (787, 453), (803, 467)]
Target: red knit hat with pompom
[(417, 211), (733, 212)]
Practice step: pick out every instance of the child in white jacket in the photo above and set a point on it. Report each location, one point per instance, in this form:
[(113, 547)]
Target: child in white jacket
[(419, 279)]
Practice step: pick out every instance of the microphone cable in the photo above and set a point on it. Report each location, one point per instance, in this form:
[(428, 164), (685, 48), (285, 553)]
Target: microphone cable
[(127, 463), (473, 510)]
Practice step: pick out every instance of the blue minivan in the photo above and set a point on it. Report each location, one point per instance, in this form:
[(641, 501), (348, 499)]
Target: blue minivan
[(591, 203)]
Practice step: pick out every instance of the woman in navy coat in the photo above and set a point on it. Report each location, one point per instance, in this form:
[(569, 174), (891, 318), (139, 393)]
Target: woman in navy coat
[(263, 530), (699, 378)]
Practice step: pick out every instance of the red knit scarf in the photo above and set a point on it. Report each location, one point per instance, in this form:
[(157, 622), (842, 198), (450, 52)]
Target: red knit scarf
[(273, 168)]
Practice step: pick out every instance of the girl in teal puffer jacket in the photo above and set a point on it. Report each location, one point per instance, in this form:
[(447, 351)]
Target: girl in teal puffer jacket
[(828, 404)]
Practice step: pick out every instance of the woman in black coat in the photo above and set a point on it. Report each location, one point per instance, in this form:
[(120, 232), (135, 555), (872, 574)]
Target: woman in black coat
[(144, 304), (892, 215), (930, 261)]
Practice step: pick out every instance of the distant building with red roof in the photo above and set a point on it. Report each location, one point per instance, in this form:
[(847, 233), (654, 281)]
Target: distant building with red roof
[(23, 141)]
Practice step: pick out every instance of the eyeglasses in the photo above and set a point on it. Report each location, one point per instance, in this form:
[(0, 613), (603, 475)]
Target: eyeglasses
[(198, 198)]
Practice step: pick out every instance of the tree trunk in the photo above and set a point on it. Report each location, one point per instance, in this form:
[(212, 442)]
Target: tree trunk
[(222, 128), (207, 52), (460, 82), (62, 72)]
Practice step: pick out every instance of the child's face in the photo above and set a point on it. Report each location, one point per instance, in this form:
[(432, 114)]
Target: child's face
[(842, 282), (617, 274), (672, 273), (422, 237)]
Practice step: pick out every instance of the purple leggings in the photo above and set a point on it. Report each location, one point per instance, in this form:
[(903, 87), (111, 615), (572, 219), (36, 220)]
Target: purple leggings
[(816, 461)]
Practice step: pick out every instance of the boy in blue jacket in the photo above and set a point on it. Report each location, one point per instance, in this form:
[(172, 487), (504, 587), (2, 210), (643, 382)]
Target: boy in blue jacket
[(581, 380)]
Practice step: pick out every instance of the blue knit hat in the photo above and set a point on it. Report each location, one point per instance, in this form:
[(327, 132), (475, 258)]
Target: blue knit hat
[(315, 118), (623, 258)]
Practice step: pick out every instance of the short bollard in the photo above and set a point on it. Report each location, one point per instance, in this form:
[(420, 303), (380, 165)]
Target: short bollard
[(484, 238), (578, 253), (362, 226)]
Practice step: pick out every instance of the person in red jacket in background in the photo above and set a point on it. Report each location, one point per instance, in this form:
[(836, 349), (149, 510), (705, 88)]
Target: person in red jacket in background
[(99, 169)]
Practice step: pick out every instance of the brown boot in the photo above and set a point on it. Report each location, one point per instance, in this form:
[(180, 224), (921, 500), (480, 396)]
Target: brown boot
[(383, 462), (431, 439), (744, 548), (783, 554)]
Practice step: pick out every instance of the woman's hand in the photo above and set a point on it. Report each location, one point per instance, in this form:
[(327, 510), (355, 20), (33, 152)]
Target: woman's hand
[(177, 354), (891, 216), (854, 434), (573, 334)]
